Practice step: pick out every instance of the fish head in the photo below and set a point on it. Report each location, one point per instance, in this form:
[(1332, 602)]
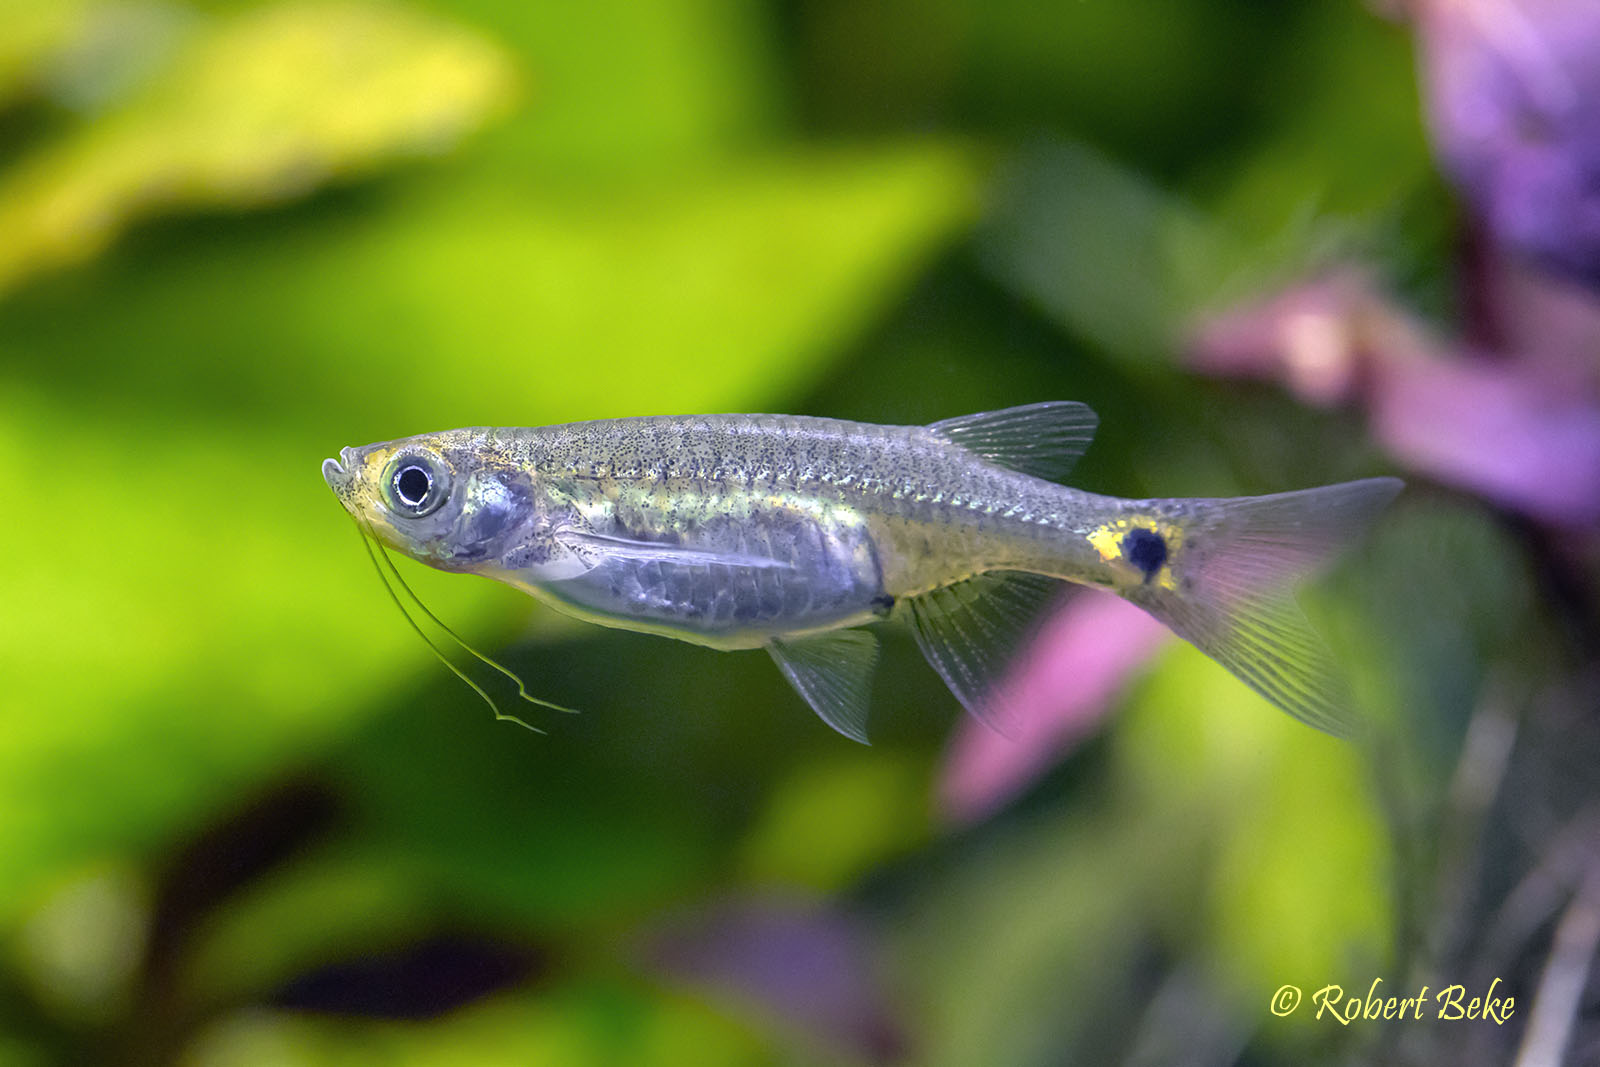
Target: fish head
[(451, 500)]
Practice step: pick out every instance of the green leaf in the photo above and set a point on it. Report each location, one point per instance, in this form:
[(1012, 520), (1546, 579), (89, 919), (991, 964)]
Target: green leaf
[(1102, 250), (618, 88), (35, 32), (832, 821), (1298, 888), (257, 109), (580, 1024), (324, 909)]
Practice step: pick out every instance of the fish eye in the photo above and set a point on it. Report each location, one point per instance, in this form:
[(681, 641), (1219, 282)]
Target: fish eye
[(415, 485), (411, 485)]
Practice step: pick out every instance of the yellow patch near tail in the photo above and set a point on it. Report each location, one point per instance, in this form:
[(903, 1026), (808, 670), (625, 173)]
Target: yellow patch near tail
[(1111, 541)]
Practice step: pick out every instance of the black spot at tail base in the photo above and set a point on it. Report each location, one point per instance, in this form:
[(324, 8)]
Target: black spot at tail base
[(1146, 550)]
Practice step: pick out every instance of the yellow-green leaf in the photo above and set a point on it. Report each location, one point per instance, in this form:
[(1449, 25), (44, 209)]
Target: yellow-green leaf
[(255, 110)]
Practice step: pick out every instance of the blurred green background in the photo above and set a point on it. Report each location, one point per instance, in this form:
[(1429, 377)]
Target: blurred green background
[(246, 818)]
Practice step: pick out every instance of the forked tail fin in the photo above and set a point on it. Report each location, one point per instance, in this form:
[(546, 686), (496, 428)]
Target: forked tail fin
[(1226, 585)]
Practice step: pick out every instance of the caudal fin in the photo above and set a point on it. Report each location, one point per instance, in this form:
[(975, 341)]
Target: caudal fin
[(1230, 590)]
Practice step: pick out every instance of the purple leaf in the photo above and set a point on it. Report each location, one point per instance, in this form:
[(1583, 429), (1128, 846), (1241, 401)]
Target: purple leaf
[(1311, 337), (1513, 91), (1495, 430), (1522, 431), (798, 961)]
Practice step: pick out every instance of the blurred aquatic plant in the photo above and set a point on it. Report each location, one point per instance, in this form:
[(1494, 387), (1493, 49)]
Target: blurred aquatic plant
[(702, 205), (1514, 101), (597, 1020), (1503, 427), (83, 55), (812, 967), (223, 357), (37, 30), (1101, 249), (1065, 683), (1200, 792), (82, 946), (252, 109), (1139, 274)]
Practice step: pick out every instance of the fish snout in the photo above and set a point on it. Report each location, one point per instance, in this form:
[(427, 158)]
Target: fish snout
[(336, 472)]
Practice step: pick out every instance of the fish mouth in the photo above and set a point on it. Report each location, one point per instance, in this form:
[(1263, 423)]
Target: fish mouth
[(334, 472)]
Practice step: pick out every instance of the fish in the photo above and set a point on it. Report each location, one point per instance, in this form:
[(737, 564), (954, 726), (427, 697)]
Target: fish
[(795, 534)]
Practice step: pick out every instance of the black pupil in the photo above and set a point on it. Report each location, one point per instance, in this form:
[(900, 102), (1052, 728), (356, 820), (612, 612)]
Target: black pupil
[(413, 484)]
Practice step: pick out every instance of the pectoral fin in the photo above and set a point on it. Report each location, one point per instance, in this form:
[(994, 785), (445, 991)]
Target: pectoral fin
[(833, 671), (598, 546), (969, 632)]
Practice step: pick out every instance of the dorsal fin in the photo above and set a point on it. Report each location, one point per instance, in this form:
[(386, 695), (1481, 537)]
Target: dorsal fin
[(1044, 440)]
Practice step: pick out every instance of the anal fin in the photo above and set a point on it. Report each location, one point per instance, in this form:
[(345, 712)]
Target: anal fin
[(833, 671), (970, 632), (1268, 644)]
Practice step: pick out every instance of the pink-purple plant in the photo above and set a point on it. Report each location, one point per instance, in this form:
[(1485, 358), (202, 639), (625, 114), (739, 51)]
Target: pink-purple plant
[(1058, 691), (1520, 428), (1513, 91)]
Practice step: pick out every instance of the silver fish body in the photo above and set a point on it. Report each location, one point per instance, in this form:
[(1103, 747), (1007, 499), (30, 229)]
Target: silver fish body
[(789, 532)]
